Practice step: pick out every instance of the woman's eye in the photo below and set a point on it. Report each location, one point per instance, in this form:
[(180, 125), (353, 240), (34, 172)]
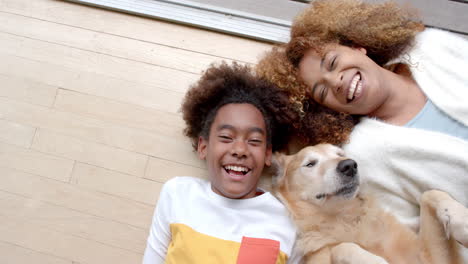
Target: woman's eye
[(322, 94), (333, 63), (311, 163)]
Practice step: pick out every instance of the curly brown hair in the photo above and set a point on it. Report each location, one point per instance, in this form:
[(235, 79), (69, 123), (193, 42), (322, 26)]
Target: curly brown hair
[(385, 30), (315, 123), (226, 84)]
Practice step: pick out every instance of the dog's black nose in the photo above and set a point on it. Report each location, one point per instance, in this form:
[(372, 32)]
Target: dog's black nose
[(347, 167)]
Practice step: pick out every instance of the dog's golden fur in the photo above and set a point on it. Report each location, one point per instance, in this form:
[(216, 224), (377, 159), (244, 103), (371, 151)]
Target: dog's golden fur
[(325, 223)]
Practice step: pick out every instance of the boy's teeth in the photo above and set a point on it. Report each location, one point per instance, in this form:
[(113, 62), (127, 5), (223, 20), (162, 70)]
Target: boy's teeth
[(353, 85), (236, 168)]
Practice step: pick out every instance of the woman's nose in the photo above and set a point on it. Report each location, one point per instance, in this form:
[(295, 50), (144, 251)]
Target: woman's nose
[(334, 80)]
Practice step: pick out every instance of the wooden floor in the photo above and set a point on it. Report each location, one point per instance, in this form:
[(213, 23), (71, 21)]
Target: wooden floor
[(90, 128)]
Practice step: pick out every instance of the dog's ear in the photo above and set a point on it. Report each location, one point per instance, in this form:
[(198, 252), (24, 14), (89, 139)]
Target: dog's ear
[(279, 164)]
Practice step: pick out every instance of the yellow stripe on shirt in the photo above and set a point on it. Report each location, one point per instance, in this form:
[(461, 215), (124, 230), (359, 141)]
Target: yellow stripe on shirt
[(191, 247)]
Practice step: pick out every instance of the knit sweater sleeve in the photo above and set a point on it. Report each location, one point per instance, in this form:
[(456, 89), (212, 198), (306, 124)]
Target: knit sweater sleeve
[(439, 63)]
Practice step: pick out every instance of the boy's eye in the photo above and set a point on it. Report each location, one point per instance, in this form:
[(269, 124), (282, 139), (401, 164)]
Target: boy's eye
[(255, 141), (225, 138)]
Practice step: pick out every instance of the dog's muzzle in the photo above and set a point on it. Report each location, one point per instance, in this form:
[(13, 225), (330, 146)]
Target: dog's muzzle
[(347, 168)]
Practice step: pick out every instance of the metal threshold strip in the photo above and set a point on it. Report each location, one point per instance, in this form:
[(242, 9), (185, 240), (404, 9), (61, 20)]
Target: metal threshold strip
[(202, 15)]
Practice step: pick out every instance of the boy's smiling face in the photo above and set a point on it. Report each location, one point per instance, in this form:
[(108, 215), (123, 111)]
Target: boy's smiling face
[(236, 150)]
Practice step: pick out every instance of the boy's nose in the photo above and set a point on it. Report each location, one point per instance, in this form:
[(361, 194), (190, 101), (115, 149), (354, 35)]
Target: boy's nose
[(239, 149)]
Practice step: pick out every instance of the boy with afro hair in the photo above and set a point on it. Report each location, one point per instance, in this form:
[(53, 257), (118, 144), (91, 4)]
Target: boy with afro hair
[(235, 121)]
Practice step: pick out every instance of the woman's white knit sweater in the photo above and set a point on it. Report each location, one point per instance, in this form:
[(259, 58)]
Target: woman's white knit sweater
[(400, 163)]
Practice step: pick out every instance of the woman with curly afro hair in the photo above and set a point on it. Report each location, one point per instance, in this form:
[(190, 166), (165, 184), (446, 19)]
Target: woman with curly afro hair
[(235, 121), (394, 94)]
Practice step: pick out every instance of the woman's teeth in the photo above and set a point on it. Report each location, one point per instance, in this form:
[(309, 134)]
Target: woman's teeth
[(355, 87)]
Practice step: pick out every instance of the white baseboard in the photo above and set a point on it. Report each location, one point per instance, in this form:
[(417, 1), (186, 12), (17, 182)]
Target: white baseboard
[(201, 15)]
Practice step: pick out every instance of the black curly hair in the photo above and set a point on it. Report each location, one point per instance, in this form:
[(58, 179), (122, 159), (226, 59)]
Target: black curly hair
[(227, 84)]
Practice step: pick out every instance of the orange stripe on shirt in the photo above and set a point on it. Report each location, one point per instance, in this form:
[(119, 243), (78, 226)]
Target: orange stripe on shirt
[(258, 250)]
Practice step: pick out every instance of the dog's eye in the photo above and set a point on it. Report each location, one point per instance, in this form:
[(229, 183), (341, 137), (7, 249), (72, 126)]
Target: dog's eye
[(311, 163), (320, 196)]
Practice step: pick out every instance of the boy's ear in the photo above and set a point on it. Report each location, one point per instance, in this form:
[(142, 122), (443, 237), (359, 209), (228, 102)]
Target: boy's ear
[(268, 156), (362, 50), (202, 148)]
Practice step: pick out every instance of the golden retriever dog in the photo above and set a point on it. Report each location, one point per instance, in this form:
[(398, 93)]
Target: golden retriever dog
[(339, 224)]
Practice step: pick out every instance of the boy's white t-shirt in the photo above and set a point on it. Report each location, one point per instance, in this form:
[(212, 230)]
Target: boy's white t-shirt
[(192, 224)]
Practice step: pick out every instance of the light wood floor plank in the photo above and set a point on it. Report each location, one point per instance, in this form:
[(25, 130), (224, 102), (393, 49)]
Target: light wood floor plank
[(111, 182), (163, 170), (16, 134), (89, 152), (108, 44), (87, 61), (27, 90), (150, 30), (91, 83), (119, 113), (171, 145), (74, 197), (32, 161), (62, 245), (13, 254), (73, 222)]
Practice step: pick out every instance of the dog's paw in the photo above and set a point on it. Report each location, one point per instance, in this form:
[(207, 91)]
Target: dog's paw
[(454, 217)]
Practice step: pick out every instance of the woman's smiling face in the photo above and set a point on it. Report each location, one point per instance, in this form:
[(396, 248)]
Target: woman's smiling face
[(344, 79)]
